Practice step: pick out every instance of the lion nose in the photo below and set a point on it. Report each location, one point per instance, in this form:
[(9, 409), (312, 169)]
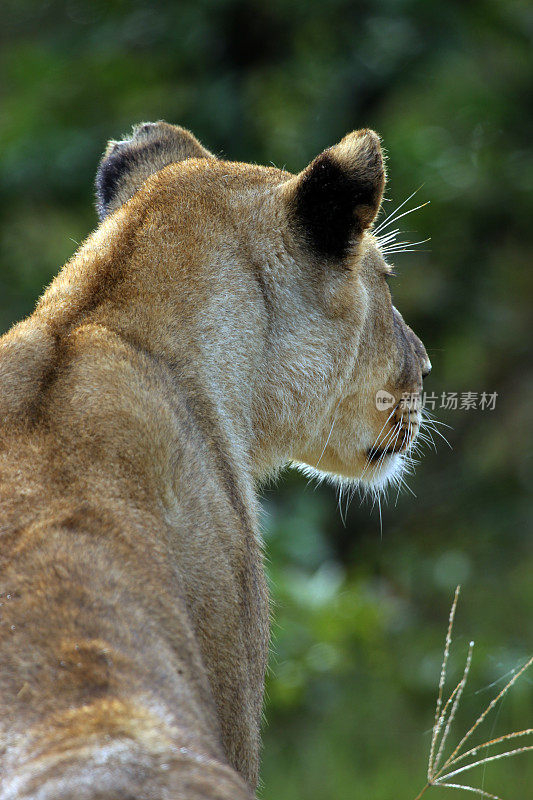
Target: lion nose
[(426, 368)]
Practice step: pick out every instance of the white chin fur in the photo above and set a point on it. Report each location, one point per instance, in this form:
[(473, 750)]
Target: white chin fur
[(387, 471), (389, 468)]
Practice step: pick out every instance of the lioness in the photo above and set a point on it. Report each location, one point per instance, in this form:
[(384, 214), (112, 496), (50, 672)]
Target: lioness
[(224, 319)]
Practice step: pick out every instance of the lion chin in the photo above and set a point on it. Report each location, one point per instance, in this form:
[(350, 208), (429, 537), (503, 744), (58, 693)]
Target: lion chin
[(370, 477)]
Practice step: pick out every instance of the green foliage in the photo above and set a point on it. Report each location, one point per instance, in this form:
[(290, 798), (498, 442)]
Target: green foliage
[(359, 615)]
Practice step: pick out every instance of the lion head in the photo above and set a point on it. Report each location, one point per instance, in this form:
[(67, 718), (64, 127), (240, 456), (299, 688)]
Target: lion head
[(279, 285)]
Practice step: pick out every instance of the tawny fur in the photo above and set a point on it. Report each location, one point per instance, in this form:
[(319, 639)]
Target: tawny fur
[(222, 320)]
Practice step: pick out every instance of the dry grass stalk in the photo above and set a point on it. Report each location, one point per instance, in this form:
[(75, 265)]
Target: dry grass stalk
[(444, 715)]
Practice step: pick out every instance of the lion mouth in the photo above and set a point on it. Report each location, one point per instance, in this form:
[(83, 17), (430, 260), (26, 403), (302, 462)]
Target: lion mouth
[(373, 455), (396, 441)]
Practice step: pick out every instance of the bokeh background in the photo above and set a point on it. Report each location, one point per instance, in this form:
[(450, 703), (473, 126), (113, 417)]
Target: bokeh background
[(360, 608)]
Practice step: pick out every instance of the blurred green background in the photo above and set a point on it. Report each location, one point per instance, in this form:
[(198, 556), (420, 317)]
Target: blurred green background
[(360, 610)]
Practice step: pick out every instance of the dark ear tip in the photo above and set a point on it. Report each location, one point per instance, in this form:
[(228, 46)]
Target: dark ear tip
[(145, 127), (126, 164), (107, 178), (150, 130), (361, 151), (338, 196), (141, 133), (364, 133)]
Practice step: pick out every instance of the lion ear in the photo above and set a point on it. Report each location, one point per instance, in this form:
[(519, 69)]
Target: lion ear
[(127, 164), (338, 195)]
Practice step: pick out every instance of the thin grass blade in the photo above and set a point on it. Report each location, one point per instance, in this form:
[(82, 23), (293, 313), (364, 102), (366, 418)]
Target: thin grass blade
[(438, 719), (497, 757), (498, 740), (482, 716), (480, 792)]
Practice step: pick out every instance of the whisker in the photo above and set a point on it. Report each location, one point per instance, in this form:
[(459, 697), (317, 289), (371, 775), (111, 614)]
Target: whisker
[(424, 434), (406, 486), (426, 437), (435, 430), (376, 440), (394, 251), (427, 414), (377, 465), (376, 444), (381, 224), (350, 498), (405, 214), (391, 248), (390, 445), (388, 237), (400, 482), (329, 434), (343, 519), (434, 421), (405, 250)]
